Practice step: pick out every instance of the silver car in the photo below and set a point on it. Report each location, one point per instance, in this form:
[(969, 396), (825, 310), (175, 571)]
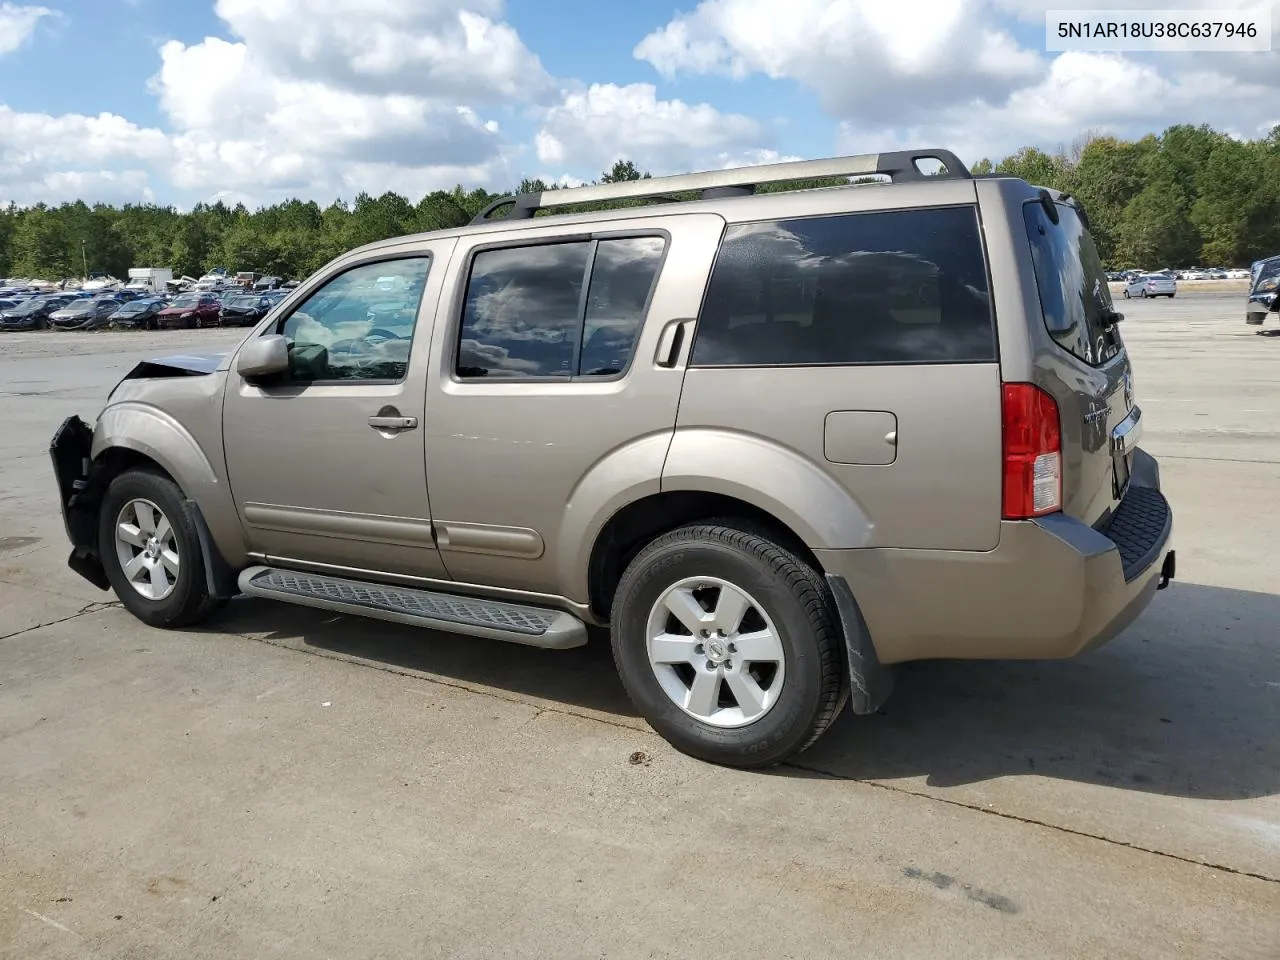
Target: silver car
[(1151, 285), (775, 442)]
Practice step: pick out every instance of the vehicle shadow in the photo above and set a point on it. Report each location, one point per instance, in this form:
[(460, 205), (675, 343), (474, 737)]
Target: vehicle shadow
[(1185, 703), (583, 677)]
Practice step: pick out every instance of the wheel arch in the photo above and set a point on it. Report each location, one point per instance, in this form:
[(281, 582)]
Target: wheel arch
[(627, 531)]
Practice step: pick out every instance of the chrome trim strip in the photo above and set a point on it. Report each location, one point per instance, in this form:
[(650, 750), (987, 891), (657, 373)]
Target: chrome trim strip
[(1128, 432)]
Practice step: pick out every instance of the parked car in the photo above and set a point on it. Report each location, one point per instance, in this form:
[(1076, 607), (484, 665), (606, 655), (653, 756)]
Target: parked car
[(1264, 291), (33, 314), (84, 313), (139, 313), (605, 443), (1238, 274), (245, 310), (266, 283), (123, 294), (190, 311), (1151, 285)]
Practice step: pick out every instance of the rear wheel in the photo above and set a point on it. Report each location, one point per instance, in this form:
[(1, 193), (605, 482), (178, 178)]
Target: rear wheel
[(728, 646), (151, 551)]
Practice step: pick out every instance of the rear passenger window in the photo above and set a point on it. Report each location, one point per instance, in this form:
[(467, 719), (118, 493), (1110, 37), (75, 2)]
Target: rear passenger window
[(526, 317), (905, 286)]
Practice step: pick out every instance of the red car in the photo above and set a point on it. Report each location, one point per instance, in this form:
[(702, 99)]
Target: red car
[(189, 311)]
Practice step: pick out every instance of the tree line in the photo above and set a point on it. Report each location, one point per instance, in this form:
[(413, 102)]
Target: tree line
[(1188, 196)]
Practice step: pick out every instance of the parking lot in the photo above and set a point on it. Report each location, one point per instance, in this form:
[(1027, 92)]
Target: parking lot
[(285, 782)]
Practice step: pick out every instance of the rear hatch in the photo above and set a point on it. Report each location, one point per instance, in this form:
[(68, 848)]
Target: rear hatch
[(1085, 366)]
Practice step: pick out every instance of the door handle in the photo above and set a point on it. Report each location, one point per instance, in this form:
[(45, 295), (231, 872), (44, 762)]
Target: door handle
[(670, 342), (393, 423)]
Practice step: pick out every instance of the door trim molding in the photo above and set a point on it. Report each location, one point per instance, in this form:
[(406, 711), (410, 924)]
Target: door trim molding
[(340, 524)]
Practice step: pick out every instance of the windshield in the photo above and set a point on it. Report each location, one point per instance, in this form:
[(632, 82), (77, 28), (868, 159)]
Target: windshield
[(1074, 296), (1266, 272), (30, 306), (185, 302), (137, 306), (78, 306)]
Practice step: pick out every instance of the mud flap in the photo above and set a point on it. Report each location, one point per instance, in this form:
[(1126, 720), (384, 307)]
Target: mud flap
[(870, 681)]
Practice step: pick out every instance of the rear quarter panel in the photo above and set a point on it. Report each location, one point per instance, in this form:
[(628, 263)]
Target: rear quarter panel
[(760, 432)]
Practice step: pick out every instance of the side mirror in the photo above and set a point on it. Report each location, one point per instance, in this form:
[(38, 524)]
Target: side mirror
[(263, 357)]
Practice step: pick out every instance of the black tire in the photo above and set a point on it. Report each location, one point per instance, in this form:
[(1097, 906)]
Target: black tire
[(797, 600), (190, 600)]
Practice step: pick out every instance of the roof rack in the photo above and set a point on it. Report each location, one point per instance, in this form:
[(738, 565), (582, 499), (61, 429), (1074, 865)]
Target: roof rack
[(900, 166)]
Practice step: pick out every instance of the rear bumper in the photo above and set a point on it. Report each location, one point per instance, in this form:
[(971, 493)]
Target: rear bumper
[(1052, 588)]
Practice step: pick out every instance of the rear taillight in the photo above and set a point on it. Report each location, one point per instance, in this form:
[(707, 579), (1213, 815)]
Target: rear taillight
[(1032, 446)]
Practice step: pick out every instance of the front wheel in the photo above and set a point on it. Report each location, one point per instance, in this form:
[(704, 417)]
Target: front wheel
[(150, 550), (727, 644)]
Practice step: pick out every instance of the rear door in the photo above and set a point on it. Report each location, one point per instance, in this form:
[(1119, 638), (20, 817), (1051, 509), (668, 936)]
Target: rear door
[(1084, 365), (554, 387)]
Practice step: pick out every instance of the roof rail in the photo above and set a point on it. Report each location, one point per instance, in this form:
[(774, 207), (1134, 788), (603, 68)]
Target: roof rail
[(899, 166)]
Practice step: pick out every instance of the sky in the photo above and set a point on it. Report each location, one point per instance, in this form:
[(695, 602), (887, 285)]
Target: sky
[(254, 101)]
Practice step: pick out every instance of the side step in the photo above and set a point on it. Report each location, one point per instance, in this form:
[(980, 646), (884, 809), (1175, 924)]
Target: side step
[(495, 619)]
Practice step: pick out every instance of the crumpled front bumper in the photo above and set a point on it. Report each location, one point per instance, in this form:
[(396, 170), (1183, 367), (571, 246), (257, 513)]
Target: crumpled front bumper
[(71, 452)]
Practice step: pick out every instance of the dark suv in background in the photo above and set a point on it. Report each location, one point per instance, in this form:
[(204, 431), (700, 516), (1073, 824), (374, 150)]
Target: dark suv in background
[(1264, 291), (246, 309), (34, 314)]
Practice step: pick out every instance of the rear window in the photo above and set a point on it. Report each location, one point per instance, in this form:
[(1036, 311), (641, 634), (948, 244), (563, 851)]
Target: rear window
[(1074, 296), (902, 286)]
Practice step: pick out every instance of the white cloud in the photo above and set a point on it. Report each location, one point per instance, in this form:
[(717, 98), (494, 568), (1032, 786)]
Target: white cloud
[(336, 96), (18, 23), (49, 158), (1083, 91), (865, 59), (313, 97), (606, 122), (915, 72), (436, 48)]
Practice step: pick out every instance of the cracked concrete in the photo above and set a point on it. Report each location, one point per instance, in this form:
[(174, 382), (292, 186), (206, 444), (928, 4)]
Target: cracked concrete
[(282, 782)]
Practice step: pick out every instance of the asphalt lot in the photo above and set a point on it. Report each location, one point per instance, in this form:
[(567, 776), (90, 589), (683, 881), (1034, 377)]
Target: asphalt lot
[(287, 783)]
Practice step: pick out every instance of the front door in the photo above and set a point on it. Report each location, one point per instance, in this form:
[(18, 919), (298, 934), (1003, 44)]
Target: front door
[(556, 380), (327, 464)]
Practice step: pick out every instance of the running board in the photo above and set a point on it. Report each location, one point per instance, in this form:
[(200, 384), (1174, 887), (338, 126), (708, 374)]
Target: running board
[(473, 616)]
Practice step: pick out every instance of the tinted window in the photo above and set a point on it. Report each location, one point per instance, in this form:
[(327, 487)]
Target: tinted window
[(522, 309), (622, 277), (356, 327), (525, 315), (1074, 296), (907, 286)]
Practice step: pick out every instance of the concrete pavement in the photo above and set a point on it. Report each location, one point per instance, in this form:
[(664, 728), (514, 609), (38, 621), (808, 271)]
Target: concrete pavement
[(287, 783)]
